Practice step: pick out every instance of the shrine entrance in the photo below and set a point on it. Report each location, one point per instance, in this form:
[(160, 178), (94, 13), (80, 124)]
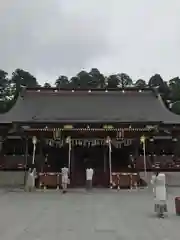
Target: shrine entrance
[(89, 153), (55, 155), (121, 151), (105, 155)]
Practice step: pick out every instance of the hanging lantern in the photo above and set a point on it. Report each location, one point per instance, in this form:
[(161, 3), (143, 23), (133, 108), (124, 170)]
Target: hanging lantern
[(143, 139), (34, 140), (108, 140), (68, 127), (68, 139)]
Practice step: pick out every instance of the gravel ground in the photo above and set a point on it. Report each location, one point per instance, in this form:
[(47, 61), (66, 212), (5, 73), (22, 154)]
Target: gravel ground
[(101, 214)]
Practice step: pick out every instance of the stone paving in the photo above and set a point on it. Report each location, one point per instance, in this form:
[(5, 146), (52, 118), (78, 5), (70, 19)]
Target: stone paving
[(101, 214)]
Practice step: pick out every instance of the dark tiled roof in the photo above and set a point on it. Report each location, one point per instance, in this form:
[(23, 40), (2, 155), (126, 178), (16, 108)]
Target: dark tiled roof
[(95, 106)]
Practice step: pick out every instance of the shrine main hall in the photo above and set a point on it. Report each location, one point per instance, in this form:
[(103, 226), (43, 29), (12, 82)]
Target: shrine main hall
[(119, 133)]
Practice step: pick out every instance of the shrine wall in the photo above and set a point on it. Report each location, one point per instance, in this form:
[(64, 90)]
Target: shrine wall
[(172, 178), (12, 178)]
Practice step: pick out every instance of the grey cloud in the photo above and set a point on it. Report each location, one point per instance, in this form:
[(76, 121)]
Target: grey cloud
[(51, 37), (47, 37)]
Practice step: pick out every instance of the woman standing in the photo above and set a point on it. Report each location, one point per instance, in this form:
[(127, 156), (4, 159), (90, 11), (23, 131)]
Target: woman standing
[(159, 183), (64, 179)]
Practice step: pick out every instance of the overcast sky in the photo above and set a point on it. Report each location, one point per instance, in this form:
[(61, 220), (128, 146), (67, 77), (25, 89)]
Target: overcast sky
[(62, 37)]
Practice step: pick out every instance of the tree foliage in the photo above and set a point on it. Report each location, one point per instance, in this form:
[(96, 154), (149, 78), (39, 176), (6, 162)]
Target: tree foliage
[(140, 83), (174, 86), (23, 78), (85, 80), (157, 81), (4, 83), (124, 80), (98, 79), (47, 85), (62, 82), (10, 86), (113, 81), (176, 107)]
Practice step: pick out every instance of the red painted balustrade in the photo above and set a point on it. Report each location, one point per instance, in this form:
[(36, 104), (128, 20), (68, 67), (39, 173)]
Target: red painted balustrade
[(125, 180), (49, 180), (53, 179)]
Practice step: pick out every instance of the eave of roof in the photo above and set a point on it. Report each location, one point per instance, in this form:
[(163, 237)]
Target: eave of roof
[(125, 105)]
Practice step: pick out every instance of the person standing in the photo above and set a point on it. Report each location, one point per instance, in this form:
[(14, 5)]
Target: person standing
[(30, 184), (159, 183), (89, 177), (153, 182), (64, 178)]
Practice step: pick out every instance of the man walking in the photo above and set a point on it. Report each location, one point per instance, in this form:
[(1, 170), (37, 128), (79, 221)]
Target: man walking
[(89, 177)]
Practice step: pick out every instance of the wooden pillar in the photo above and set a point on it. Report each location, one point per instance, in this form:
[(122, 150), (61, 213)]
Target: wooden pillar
[(151, 150), (41, 157), (176, 148), (1, 144), (105, 159), (136, 152), (72, 167), (105, 168), (26, 158)]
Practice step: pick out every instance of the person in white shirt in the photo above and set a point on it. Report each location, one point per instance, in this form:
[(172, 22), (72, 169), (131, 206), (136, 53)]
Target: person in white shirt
[(89, 177), (64, 178), (30, 184)]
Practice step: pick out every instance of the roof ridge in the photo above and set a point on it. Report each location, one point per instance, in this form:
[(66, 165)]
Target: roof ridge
[(36, 89), (116, 106)]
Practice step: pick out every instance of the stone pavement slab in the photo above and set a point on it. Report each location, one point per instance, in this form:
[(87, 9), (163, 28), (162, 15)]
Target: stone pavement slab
[(101, 214)]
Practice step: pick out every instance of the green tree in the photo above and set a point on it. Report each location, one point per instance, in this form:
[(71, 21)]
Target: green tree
[(175, 107), (124, 80), (157, 81), (174, 85), (4, 83), (74, 83), (4, 91), (98, 79), (62, 82), (112, 81), (85, 80), (140, 83), (8, 93), (47, 85), (23, 78)]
